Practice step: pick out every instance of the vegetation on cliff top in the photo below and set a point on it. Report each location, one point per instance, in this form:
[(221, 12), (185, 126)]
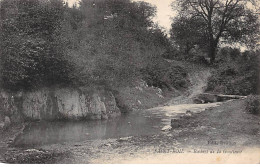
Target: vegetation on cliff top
[(110, 43), (114, 43)]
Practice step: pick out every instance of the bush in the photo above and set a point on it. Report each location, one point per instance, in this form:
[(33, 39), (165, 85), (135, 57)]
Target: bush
[(253, 104), (108, 43), (195, 55), (228, 54), (238, 74), (165, 75), (198, 56), (173, 54), (112, 52), (32, 51)]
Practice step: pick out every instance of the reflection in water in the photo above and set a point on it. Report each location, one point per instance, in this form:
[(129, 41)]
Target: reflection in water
[(139, 123)]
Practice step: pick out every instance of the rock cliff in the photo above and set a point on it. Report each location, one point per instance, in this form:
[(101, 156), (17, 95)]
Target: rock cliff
[(58, 103)]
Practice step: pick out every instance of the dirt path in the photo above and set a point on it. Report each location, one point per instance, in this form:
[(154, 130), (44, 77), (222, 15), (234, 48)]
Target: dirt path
[(198, 75), (198, 79)]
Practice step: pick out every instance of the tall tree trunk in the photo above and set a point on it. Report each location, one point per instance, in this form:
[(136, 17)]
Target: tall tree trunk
[(212, 51), (212, 54), (187, 48), (212, 41)]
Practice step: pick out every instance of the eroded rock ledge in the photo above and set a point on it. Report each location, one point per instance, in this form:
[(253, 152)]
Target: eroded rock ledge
[(58, 103)]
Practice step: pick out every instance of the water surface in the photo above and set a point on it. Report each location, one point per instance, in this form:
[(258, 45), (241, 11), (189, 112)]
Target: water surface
[(146, 122)]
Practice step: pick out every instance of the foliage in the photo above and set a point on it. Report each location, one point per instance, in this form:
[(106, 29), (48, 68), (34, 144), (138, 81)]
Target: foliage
[(115, 40), (253, 104), (194, 55), (236, 73), (32, 54), (164, 75), (103, 42), (223, 20), (188, 32)]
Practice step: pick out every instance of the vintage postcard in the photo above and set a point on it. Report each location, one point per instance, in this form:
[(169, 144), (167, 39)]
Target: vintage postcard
[(129, 82)]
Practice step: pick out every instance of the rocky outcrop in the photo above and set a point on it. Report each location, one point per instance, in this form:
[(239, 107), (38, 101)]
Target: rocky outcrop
[(58, 103)]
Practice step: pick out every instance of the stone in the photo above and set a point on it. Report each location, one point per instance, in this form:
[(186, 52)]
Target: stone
[(124, 139), (2, 124), (59, 103), (212, 98), (175, 123), (198, 101), (205, 98), (167, 128), (188, 113), (103, 111), (7, 121), (108, 145), (34, 150)]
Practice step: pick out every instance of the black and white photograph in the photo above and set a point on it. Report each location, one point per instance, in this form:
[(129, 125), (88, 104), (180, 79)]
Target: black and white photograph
[(129, 82)]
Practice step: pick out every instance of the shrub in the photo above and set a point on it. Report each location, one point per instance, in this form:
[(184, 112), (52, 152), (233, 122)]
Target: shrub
[(253, 104), (32, 51), (172, 53), (228, 54), (165, 75), (237, 74)]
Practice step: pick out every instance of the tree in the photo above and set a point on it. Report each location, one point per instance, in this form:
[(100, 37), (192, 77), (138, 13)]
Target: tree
[(115, 39), (188, 32), (225, 20), (32, 52)]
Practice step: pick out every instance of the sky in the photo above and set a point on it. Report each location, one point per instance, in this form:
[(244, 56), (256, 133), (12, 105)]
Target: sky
[(164, 12)]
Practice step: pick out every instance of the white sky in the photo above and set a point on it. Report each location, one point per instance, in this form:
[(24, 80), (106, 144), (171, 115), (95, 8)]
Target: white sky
[(164, 12)]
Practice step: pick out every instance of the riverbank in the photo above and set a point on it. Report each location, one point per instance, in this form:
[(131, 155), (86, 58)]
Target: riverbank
[(226, 127), (10, 154), (7, 137)]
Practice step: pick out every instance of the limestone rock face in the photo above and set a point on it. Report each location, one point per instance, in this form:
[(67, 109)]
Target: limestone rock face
[(58, 103), (34, 104)]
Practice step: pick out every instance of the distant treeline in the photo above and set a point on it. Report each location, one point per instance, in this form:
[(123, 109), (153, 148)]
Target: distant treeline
[(107, 42)]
